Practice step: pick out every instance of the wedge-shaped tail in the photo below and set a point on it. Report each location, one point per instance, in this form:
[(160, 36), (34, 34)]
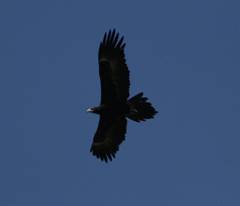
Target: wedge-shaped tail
[(140, 108)]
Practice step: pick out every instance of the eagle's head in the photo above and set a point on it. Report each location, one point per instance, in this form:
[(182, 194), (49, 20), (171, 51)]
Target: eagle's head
[(96, 110)]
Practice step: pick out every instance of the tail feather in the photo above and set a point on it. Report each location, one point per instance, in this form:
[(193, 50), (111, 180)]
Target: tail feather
[(140, 108)]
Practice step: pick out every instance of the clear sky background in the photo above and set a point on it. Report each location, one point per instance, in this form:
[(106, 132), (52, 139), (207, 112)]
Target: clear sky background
[(184, 55)]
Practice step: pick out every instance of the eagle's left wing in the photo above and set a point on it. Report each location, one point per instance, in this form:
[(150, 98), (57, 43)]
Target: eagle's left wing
[(113, 70)]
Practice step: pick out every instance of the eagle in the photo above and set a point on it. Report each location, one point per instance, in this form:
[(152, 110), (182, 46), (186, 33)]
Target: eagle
[(115, 105)]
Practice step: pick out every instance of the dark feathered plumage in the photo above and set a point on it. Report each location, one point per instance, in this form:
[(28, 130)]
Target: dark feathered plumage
[(115, 106)]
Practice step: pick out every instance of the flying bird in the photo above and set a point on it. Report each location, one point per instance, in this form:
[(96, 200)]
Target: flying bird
[(115, 107)]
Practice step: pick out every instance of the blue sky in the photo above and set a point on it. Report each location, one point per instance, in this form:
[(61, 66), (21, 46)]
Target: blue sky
[(184, 55)]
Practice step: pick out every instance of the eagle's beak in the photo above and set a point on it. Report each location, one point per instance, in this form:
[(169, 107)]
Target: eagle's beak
[(89, 110)]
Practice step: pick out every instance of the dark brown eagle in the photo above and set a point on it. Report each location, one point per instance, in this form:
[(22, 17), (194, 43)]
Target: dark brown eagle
[(115, 107)]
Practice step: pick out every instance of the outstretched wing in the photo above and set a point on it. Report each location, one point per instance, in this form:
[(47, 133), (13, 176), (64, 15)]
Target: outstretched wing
[(113, 70), (109, 135)]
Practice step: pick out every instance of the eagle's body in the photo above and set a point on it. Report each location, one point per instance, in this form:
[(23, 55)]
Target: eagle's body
[(115, 107)]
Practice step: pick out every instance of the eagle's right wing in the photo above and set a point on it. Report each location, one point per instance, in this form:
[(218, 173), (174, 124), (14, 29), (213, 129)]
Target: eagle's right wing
[(109, 135)]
